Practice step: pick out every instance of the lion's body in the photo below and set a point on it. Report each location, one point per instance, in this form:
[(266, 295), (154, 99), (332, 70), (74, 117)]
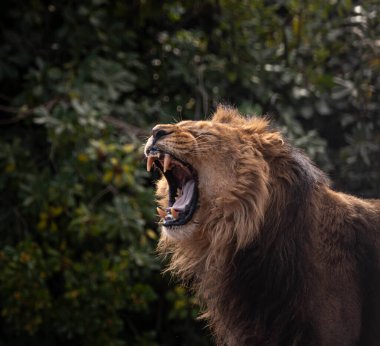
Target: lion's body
[(275, 256)]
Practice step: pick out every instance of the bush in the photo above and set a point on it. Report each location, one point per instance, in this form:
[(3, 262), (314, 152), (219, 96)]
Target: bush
[(78, 95)]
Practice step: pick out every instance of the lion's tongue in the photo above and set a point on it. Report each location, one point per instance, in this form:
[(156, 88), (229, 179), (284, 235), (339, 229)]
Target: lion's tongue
[(187, 192)]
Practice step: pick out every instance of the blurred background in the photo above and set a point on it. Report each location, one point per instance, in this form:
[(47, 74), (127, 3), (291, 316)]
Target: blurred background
[(82, 83)]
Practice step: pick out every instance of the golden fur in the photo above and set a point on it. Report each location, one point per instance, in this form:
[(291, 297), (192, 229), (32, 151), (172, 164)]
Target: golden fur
[(274, 255)]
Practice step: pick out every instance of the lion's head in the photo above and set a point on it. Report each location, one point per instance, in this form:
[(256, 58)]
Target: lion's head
[(215, 176)]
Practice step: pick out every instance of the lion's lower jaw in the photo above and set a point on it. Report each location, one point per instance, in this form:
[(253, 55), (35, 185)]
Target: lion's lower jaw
[(180, 232)]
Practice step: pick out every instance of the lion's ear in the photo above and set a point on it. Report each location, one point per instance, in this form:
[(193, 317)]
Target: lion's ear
[(227, 115), (257, 125)]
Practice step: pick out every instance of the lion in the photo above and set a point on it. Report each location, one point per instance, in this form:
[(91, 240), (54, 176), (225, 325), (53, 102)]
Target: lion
[(273, 253)]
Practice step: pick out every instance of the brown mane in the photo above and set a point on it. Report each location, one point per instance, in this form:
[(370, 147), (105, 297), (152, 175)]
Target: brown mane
[(279, 258)]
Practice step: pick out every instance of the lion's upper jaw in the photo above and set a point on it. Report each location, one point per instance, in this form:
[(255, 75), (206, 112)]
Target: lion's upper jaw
[(178, 189)]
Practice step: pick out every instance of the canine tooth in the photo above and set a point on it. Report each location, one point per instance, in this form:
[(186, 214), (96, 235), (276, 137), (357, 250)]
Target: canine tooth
[(167, 161), (161, 213), (174, 213), (149, 163)]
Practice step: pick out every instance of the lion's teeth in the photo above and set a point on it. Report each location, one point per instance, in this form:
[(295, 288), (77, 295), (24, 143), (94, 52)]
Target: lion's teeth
[(149, 163), (167, 161), (174, 213), (161, 213)]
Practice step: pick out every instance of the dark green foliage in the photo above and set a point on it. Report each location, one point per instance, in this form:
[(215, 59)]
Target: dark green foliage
[(81, 84)]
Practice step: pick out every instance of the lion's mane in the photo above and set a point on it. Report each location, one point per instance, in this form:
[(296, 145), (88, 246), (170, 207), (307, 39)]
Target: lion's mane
[(280, 258)]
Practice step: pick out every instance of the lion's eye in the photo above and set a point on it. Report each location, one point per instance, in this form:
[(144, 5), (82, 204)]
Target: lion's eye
[(160, 133), (205, 134)]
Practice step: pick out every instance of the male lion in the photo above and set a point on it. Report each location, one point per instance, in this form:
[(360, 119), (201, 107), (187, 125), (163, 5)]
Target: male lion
[(273, 253)]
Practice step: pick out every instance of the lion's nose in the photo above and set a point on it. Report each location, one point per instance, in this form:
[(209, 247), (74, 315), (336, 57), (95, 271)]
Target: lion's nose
[(157, 133)]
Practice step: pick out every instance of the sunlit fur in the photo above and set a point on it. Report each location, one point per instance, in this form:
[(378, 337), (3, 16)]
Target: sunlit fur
[(274, 255)]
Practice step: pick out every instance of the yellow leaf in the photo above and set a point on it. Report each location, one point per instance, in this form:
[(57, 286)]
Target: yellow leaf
[(91, 178), (151, 234), (43, 216), (24, 257), (127, 169), (296, 24), (374, 62), (82, 157), (53, 227), (73, 294), (107, 177), (114, 161), (99, 145), (118, 180), (128, 148), (10, 167), (179, 304), (111, 276), (111, 147), (143, 240), (56, 211), (41, 225), (179, 290), (73, 95)]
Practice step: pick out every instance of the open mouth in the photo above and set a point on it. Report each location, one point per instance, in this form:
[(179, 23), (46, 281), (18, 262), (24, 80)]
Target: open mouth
[(183, 190)]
